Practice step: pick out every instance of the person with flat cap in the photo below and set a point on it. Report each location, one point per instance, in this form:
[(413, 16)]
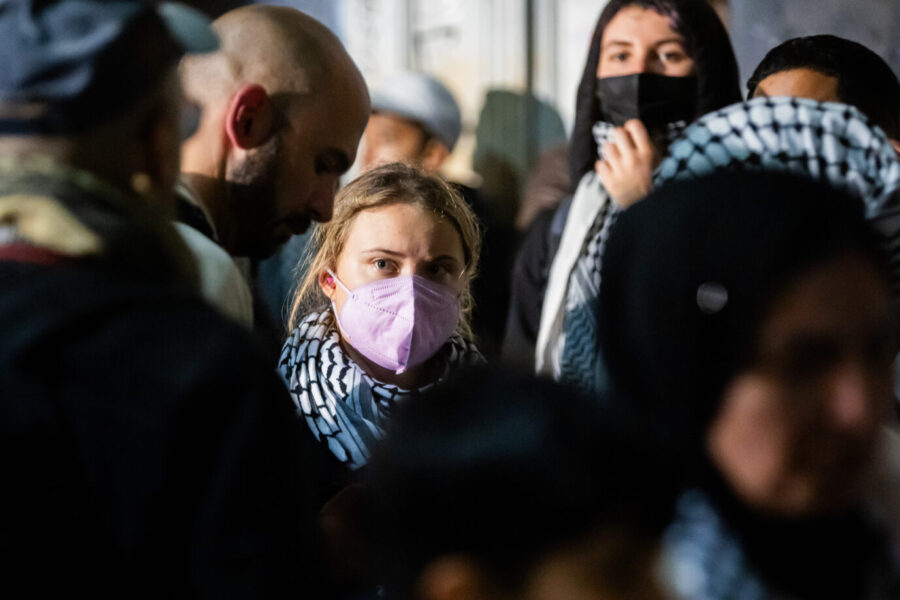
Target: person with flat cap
[(147, 449)]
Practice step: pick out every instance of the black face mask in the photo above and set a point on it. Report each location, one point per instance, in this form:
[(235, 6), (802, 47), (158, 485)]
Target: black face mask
[(657, 100)]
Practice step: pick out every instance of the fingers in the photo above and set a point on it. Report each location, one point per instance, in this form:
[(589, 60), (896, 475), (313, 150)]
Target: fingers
[(612, 152), (603, 170), (622, 138), (627, 165), (640, 138), (630, 144)]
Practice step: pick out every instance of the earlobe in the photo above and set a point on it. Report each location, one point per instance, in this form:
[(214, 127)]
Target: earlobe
[(327, 284), (250, 116)]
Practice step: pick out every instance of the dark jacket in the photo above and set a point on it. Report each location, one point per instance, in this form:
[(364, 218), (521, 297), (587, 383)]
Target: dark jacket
[(146, 446)]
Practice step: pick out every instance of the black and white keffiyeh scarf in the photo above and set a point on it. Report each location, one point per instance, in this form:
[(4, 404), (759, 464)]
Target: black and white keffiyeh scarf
[(580, 362), (711, 553), (702, 558), (345, 408), (829, 142)]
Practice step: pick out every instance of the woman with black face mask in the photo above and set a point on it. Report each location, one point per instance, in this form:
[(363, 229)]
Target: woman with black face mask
[(653, 67)]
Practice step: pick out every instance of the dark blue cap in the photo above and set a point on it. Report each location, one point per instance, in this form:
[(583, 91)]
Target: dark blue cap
[(69, 65)]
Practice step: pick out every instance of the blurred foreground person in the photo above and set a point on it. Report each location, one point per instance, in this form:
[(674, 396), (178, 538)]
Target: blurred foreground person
[(747, 319), (495, 487), (281, 108), (146, 448), (832, 69)]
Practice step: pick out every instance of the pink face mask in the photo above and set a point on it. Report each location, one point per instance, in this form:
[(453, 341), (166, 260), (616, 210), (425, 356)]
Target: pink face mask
[(398, 322)]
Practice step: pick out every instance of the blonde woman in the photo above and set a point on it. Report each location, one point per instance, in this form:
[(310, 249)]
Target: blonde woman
[(383, 311)]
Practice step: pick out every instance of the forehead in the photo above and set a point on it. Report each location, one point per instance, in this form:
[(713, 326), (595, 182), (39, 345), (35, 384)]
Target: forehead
[(404, 228), (800, 83), (332, 117), (842, 299), (636, 25), (384, 121)]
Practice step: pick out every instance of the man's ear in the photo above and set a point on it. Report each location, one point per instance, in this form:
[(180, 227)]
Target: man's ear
[(434, 154), (250, 117), (328, 284), (896, 146)]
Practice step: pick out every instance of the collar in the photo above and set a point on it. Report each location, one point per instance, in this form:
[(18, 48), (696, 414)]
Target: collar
[(189, 195)]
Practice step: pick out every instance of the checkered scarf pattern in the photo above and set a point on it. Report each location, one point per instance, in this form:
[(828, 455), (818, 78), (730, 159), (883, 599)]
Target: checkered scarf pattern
[(702, 559), (580, 362), (345, 408)]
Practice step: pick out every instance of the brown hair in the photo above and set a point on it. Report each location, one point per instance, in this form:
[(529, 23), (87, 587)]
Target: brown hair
[(394, 183)]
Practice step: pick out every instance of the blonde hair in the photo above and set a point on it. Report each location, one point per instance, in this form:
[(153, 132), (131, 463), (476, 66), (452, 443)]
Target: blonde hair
[(394, 183)]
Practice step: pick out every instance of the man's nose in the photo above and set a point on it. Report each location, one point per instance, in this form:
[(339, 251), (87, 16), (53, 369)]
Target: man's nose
[(321, 202)]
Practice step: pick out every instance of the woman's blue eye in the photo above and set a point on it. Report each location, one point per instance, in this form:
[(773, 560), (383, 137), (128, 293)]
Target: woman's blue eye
[(381, 264)]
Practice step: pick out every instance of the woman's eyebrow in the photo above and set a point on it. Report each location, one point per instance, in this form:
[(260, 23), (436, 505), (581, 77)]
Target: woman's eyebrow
[(617, 43), (673, 40), (382, 251), (445, 257)]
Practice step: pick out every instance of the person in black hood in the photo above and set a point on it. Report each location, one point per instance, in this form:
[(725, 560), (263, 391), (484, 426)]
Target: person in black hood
[(753, 338), (653, 67), (704, 41)]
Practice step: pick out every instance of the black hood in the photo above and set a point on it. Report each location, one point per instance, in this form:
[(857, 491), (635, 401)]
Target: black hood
[(707, 43)]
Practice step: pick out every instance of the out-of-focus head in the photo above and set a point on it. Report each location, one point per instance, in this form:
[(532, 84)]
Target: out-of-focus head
[(415, 119), (402, 220), (832, 69), (284, 108), (663, 37), (798, 426), (500, 487), (748, 318), (93, 83)]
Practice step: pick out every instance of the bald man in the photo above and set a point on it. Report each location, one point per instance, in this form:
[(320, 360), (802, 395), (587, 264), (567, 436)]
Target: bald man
[(283, 109)]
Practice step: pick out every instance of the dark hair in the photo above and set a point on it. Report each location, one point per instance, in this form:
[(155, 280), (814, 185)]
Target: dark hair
[(503, 470), (706, 42), (864, 79)]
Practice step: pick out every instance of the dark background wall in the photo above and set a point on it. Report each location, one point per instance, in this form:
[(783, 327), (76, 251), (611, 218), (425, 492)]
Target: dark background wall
[(759, 25)]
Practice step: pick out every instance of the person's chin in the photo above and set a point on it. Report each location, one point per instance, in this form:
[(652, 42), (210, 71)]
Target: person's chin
[(296, 225), (265, 249)]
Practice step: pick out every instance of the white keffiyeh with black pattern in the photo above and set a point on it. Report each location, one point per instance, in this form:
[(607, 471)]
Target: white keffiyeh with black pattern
[(345, 408)]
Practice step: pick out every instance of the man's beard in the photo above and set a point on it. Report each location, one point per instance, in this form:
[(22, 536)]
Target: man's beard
[(251, 202)]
